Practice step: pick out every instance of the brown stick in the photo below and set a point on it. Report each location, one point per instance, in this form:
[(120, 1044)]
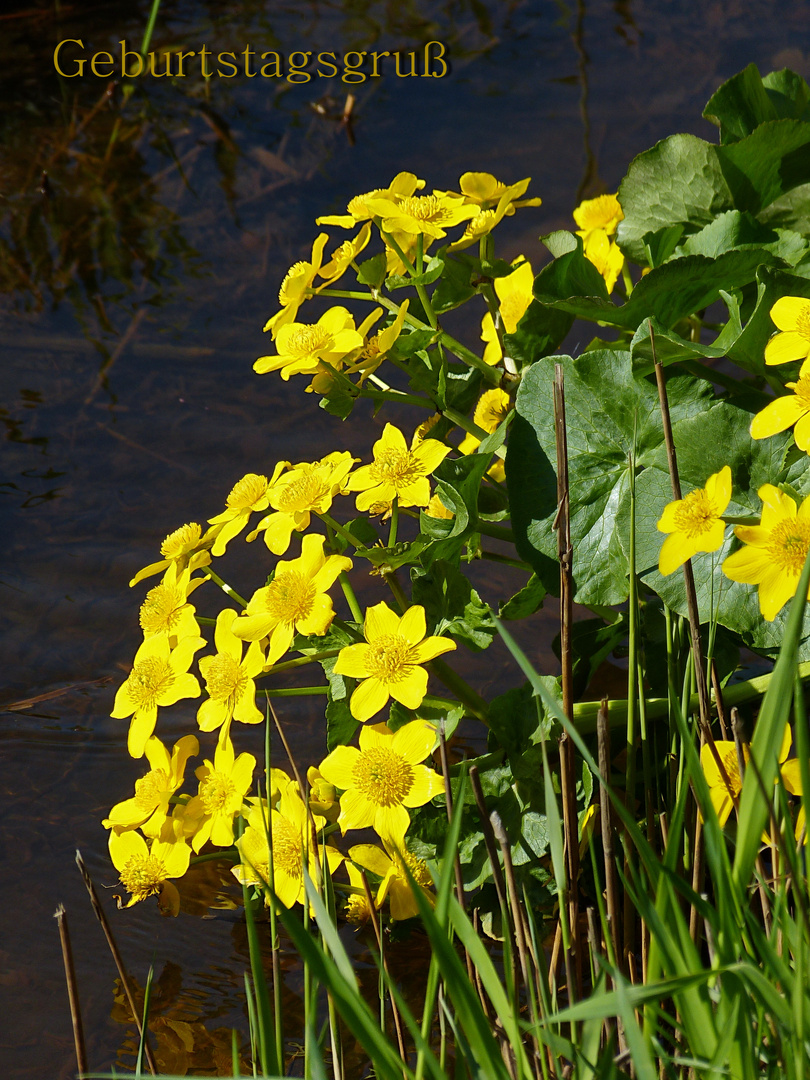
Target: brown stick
[(562, 524), (119, 962), (73, 990)]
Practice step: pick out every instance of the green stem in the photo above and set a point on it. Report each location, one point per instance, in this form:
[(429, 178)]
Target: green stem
[(493, 556), (232, 593), (392, 243), (295, 691), (495, 531), (351, 600), (231, 854), (491, 374), (397, 396), (392, 533), (299, 662), (628, 281), (340, 530), (703, 371)]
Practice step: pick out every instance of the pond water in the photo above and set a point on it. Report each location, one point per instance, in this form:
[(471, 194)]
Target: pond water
[(141, 248)]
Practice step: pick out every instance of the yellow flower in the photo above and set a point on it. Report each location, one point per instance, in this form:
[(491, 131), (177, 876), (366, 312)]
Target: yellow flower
[(491, 410), (376, 347), (302, 347), (515, 295), (322, 797), (166, 610), (297, 281), (291, 832), (358, 910), (159, 676), (304, 490), (695, 523), (144, 868), (791, 314), (397, 471), (395, 885), (230, 680), (784, 412), (429, 215), (724, 790), (149, 809), (249, 495), (296, 599), (603, 213), (224, 783), (383, 778), (496, 201), (344, 255), (605, 256), (775, 550), (437, 509), (390, 663), (403, 185), (185, 546)]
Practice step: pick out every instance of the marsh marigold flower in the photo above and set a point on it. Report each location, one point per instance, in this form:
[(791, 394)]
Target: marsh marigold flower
[(159, 677), (166, 610), (383, 778), (787, 411), (344, 255), (603, 213), (403, 185), (146, 867), (291, 831), (397, 471), (297, 281), (248, 496), (725, 789), (492, 409), (224, 783), (695, 523), (791, 315), (395, 885), (296, 599), (390, 662), (185, 547), (149, 809), (515, 295), (230, 680), (605, 256), (376, 346), (304, 490), (430, 215), (302, 347), (774, 552)]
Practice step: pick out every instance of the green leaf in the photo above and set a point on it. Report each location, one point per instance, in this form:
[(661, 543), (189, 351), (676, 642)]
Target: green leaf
[(371, 271), (525, 602), (432, 271), (340, 724), (749, 348), (678, 182), (517, 720), (740, 105), (609, 415), (766, 164), (560, 242), (454, 287), (452, 606)]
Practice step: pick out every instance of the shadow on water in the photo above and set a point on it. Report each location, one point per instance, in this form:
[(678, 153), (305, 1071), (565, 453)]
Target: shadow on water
[(142, 241)]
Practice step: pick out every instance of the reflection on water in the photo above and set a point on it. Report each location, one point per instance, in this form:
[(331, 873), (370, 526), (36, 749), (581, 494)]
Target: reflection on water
[(142, 241)]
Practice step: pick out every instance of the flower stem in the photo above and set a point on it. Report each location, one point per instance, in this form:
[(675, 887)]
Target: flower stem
[(234, 595), (392, 534), (351, 599), (464, 692), (340, 530), (298, 662), (295, 691)]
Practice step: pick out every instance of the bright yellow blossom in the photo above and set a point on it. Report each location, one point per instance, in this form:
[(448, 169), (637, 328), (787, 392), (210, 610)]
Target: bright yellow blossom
[(725, 789), (390, 662), (376, 347), (791, 315), (395, 885), (186, 546), (302, 347), (515, 295), (159, 676), (248, 496), (605, 256), (491, 410), (344, 255), (383, 778), (429, 215), (224, 783), (230, 680), (296, 599), (496, 201), (304, 490), (774, 552), (695, 523), (437, 509), (149, 809), (297, 281), (603, 213), (291, 831), (787, 410), (166, 610), (403, 185), (397, 471), (145, 868), (358, 910)]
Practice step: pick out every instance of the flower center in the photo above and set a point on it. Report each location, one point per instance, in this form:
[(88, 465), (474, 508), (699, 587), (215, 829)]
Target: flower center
[(371, 349), (149, 679), (696, 514), (287, 854), (149, 788), (308, 341), (390, 659), (789, 543), (417, 867), (224, 678), (357, 206), (216, 791), (143, 875), (297, 275), (395, 467), (160, 609), (424, 208), (302, 493), (803, 322), (801, 388), (357, 909), (383, 776), (247, 492), (290, 597), (181, 541), (732, 767)]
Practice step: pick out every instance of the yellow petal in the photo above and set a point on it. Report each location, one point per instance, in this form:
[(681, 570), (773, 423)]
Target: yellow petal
[(782, 348), (414, 741), (353, 661), (788, 312), (411, 691), (380, 621), (369, 697), (777, 416)]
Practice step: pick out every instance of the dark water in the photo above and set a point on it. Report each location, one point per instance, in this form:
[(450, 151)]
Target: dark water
[(136, 276)]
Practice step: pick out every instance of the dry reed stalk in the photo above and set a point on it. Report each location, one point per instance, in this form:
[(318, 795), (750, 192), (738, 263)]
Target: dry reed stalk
[(73, 990)]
